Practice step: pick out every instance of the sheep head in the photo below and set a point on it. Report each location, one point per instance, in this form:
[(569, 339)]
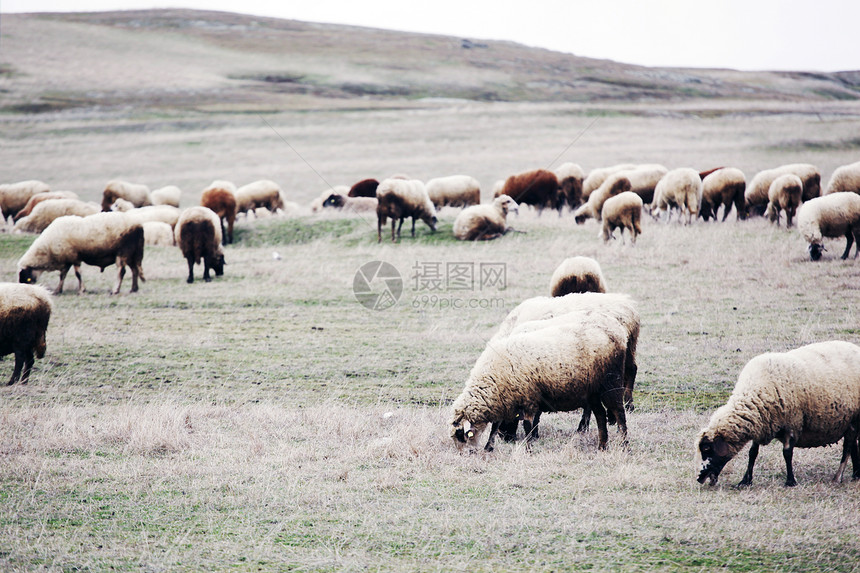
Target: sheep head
[(815, 250), (716, 454), (466, 434), (28, 275)]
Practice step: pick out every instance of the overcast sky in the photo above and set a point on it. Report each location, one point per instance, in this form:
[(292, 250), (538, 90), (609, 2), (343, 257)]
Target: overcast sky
[(809, 35)]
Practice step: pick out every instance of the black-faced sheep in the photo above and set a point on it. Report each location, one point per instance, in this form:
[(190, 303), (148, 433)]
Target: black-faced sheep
[(402, 198), (100, 240), (24, 314), (14, 196), (454, 191), (167, 195), (364, 188), (680, 188), (613, 185), (806, 398), (351, 204), (317, 204), (484, 222), (724, 187), (784, 195), (198, 234), (845, 178), (570, 177), (136, 193), (597, 176), (623, 211), (755, 196), (46, 211), (220, 197), (262, 193), (39, 197), (538, 188), (834, 215), (577, 275)]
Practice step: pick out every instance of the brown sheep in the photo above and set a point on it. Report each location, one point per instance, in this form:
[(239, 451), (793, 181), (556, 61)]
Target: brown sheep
[(538, 188), (364, 188), (198, 234), (724, 186), (220, 197), (24, 314)]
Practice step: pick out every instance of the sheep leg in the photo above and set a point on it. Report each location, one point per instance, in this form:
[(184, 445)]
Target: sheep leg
[(855, 457), (508, 430), (748, 476), (494, 429), (63, 273), (393, 223), (190, 278), (850, 236), (600, 418), (413, 226), (80, 279), (135, 274), (787, 454), (530, 427), (585, 420), (119, 276), (849, 437), (206, 267)]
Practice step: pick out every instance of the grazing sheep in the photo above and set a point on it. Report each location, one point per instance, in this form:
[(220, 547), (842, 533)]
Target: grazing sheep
[(806, 398), (597, 176), (164, 213), (46, 211), (364, 188), (100, 240), (220, 197), (352, 204), (24, 314), (39, 197), (623, 211), (570, 177), (262, 193), (538, 188), (158, 234), (680, 188), (613, 185), (845, 178), (724, 187), (577, 275), (644, 179), (755, 196), (484, 222), (834, 215), (454, 191), (198, 234), (14, 196), (136, 193), (562, 363), (401, 198), (167, 195), (784, 195)]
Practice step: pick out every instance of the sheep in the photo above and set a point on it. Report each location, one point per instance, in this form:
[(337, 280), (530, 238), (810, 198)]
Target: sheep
[(845, 178), (100, 240), (623, 211), (570, 177), (484, 222), (198, 234), (136, 193), (220, 197), (352, 204), (262, 193), (577, 275), (597, 176), (806, 398), (39, 197), (167, 195), (613, 185), (538, 188), (158, 234), (784, 195), (755, 196), (163, 213), (644, 178), (364, 188), (832, 215), (681, 188), (25, 311), (724, 186), (317, 204), (14, 196), (46, 211), (401, 198), (559, 364), (454, 190)]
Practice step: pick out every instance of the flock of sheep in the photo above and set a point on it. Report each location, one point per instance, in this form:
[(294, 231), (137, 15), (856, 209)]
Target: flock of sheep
[(574, 349)]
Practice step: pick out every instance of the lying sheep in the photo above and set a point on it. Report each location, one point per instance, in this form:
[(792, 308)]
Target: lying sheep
[(484, 222), (806, 398), (577, 275), (24, 314), (623, 211), (220, 197), (538, 188), (563, 363), (570, 177), (198, 234), (454, 191), (158, 234), (784, 195), (39, 197), (262, 193), (100, 240), (317, 204), (45, 212), (364, 188), (724, 186), (597, 176), (136, 193), (834, 215), (845, 178), (755, 196), (613, 185), (402, 198), (14, 196), (351, 204), (680, 188), (167, 195)]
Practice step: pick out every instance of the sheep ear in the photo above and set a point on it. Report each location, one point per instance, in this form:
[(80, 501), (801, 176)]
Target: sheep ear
[(721, 448)]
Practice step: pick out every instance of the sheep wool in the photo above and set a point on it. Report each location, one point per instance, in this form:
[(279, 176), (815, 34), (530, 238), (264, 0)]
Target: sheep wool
[(845, 178), (167, 195), (262, 193), (351, 204), (136, 193), (755, 196), (596, 177), (198, 234), (220, 197), (39, 197), (14, 196), (623, 211), (834, 215), (363, 188), (784, 195), (680, 188), (724, 186), (25, 311), (538, 188), (570, 177), (46, 211), (484, 222), (402, 198), (454, 191), (613, 185), (577, 275)]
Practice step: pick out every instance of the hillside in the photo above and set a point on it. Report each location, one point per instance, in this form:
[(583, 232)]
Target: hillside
[(221, 61)]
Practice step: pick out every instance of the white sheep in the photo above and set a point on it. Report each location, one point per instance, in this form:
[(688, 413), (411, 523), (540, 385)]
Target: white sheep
[(402, 198), (158, 234), (14, 196), (100, 240), (39, 197), (454, 191), (834, 215), (262, 193), (596, 177), (806, 398), (163, 213), (577, 275), (680, 188), (845, 178), (198, 234), (784, 195), (755, 196), (317, 204), (167, 195), (623, 211), (613, 185), (484, 222), (351, 204), (24, 314), (570, 177), (724, 186), (46, 211), (136, 193), (644, 178)]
